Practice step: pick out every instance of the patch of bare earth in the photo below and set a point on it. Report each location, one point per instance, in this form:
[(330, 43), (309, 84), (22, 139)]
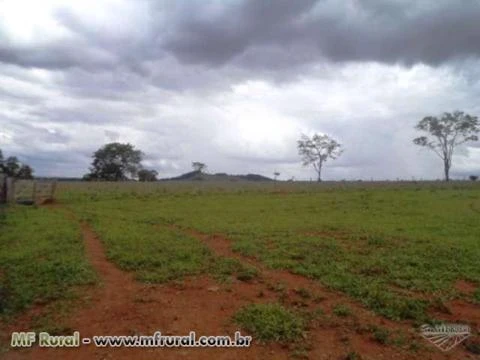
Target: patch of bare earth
[(465, 287), (462, 310)]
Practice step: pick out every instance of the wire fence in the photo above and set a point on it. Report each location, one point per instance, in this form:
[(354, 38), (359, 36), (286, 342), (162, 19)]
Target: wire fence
[(26, 191)]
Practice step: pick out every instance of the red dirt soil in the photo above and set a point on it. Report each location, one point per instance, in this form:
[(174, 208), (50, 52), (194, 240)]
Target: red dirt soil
[(465, 287), (123, 306)]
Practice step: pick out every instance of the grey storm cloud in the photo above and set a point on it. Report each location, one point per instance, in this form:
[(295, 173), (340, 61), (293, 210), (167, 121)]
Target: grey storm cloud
[(234, 83), (251, 34), (371, 30)]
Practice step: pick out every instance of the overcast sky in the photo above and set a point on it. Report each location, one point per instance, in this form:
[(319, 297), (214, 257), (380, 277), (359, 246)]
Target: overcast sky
[(235, 83)]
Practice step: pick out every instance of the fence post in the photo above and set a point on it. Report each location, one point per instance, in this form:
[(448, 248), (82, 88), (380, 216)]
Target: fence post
[(3, 189), (34, 191), (52, 190), (10, 190)]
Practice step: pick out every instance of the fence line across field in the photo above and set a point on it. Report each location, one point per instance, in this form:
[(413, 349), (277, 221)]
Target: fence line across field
[(34, 191)]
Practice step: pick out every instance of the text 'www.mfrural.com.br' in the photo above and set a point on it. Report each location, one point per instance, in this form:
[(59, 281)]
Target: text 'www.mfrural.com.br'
[(44, 339)]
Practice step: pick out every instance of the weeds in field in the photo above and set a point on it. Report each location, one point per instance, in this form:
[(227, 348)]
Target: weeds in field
[(270, 322), (224, 269), (476, 295), (247, 273), (303, 293), (352, 355), (342, 310), (381, 335)]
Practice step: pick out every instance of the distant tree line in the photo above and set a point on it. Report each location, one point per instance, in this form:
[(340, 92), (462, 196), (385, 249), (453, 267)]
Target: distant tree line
[(121, 162), (12, 167)]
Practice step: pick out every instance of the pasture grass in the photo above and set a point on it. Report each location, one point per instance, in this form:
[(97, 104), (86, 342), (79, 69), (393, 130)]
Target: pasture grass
[(154, 254), (270, 322), (41, 258), (397, 249), (157, 253)]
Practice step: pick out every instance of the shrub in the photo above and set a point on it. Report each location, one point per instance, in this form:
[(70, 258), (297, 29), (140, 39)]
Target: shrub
[(342, 310)]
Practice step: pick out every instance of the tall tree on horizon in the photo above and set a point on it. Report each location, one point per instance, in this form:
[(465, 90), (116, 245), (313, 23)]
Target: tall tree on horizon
[(446, 133), (115, 162), (316, 150)]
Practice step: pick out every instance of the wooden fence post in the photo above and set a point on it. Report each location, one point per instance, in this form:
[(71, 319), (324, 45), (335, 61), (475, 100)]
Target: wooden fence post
[(10, 190), (34, 191), (3, 189), (52, 190)]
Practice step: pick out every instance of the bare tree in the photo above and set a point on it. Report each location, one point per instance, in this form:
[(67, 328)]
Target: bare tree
[(198, 166), (447, 132), (318, 149)]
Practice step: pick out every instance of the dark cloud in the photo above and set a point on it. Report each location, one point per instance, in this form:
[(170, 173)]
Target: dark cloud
[(59, 55), (255, 34), (217, 40), (302, 31), (116, 84)]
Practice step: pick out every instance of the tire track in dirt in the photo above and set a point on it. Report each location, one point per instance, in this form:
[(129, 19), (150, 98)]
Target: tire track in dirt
[(122, 306), (352, 330)]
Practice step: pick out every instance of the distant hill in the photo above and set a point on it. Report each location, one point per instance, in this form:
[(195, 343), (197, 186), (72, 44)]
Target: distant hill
[(198, 176), (254, 177)]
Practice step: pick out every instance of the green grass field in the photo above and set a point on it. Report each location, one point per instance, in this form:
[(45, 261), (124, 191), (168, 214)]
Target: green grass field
[(41, 258), (399, 249), (396, 248)]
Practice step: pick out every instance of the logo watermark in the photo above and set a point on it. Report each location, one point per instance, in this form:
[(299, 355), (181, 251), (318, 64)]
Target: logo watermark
[(44, 339), (445, 336)]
